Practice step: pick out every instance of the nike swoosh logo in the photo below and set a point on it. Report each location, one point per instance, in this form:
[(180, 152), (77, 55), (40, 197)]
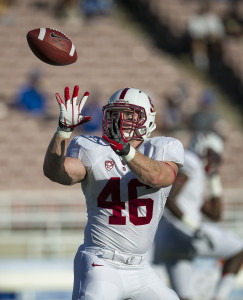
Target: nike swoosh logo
[(95, 265), (53, 35)]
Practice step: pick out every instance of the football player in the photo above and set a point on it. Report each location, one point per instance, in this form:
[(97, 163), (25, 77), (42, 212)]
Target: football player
[(181, 233), (126, 177)]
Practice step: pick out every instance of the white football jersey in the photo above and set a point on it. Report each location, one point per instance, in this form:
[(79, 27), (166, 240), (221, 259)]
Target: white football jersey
[(123, 213), (191, 197)]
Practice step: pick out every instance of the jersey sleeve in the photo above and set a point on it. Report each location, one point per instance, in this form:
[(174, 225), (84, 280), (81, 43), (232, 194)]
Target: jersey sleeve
[(80, 147), (191, 164), (73, 149), (171, 150), (76, 150)]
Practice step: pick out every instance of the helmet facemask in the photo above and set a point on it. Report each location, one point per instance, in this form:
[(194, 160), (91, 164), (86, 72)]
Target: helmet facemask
[(132, 119), (212, 160)]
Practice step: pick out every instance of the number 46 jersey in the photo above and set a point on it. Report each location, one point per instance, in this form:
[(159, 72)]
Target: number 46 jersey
[(123, 213)]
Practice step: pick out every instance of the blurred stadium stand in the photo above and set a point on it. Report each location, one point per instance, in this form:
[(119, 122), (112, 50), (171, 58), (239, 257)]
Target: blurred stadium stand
[(43, 220), (167, 21)]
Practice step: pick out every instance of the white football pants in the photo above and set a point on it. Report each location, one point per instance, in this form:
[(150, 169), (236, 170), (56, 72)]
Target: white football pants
[(97, 278)]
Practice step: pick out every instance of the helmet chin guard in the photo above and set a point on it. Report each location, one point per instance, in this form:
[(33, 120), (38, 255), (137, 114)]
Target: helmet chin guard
[(136, 111)]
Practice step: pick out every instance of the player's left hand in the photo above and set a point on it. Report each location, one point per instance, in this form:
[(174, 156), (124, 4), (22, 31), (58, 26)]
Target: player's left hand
[(117, 140)]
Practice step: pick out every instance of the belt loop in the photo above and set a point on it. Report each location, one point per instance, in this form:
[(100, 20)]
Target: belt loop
[(114, 252), (130, 260)]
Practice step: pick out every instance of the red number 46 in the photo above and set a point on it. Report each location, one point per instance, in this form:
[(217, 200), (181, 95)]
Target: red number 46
[(113, 188)]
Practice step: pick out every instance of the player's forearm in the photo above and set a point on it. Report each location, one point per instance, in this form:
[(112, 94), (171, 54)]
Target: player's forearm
[(151, 172), (212, 208), (173, 208), (54, 160)]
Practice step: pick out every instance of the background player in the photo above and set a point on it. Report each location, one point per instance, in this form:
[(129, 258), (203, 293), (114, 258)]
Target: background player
[(126, 177), (181, 235)]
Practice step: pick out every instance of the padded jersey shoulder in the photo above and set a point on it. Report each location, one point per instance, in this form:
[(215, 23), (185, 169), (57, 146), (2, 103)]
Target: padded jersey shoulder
[(162, 140), (164, 149), (87, 145), (88, 141)]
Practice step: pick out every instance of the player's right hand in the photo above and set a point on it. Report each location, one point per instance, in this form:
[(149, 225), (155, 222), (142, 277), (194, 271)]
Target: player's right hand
[(70, 109), (117, 140)]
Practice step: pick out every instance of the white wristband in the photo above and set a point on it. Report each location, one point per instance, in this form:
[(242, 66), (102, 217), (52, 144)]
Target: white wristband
[(130, 155), (63, 133), (190, 222), (216, 189)]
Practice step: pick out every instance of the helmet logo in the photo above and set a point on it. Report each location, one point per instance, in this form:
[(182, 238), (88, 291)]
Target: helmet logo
[(152, 109), (109, 164)]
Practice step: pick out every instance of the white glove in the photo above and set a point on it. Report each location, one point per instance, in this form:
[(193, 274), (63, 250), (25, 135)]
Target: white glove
[(70, 112), (191, 223), (215, 186)]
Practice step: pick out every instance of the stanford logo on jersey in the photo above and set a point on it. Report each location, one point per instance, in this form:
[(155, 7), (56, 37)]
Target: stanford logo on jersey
[(109, 164)]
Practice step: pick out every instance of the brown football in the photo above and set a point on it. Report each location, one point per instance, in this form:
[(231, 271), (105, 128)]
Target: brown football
[(52, 46)]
